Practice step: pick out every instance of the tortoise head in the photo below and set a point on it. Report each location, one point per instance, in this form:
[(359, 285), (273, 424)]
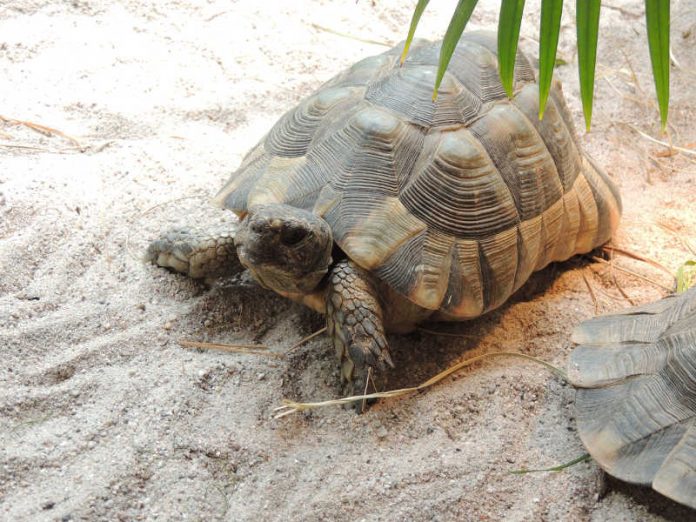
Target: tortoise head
[(285, 248)]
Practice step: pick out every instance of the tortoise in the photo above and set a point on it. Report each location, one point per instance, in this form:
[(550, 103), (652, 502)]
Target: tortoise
[(636, 402), (381, 208)]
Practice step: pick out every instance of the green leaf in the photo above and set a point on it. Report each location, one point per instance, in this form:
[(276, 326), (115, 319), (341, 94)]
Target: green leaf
[(548, 43), (417, 13), (508, 37), (461, 16), (657, 23), (587, 19), (686, 276)]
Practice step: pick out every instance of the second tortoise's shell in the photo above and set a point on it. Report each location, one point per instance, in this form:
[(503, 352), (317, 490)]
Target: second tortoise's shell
[(636, 401), (452, 203)]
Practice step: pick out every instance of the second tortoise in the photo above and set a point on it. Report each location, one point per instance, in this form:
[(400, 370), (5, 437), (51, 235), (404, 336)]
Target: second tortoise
[(380, 208), (636, 401)]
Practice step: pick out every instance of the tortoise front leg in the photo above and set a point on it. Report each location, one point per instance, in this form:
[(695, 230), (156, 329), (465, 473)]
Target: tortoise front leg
[(354, 321), (197, 253)]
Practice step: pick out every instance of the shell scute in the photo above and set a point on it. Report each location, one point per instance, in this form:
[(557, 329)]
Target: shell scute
[(521, 157), (457, 189), (292, 135), (408, 91)]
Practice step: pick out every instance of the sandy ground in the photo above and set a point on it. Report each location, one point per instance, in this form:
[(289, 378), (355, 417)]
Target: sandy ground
[(104, 416)]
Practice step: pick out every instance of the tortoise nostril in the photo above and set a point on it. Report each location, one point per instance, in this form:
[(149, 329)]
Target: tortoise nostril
[(257, 225)]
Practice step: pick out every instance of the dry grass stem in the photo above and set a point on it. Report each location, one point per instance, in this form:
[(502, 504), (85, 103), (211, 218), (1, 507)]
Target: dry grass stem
[(683, 150), (41, 129), (638, 257), (592, 294), (678, 64), (677, 235), (24, 146), (253, 349), (636, 83), (367, 385), (582, 458), (619, 287), (447, 334), (290, 407), (607, 294), (601, 290), (350, 36), (621, 10), (635, 274), (631, 97), (306, 339)]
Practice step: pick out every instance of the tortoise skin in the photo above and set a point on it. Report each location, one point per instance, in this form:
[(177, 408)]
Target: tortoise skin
[(635, 371), (451, 204)]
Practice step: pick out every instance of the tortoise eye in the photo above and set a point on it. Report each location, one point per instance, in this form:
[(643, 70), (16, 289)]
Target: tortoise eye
[(292, 235)]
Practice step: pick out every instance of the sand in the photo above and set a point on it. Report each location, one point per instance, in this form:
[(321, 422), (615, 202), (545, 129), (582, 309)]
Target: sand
[(104, 416)]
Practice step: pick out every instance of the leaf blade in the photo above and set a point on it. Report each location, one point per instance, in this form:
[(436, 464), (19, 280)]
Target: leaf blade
[(587, 20), (417, 13), (461, 16), (549, 30), (657, 23), (509, 23), (686, 276)]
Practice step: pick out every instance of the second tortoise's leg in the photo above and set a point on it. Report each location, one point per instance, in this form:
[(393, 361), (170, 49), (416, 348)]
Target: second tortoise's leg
[(354, 321), (197, 252)]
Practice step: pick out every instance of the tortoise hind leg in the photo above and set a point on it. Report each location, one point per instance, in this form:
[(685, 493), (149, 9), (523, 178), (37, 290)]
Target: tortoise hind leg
[(354, 321), (197, 253)]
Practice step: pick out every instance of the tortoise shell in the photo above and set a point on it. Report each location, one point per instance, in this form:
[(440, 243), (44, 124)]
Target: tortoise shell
[(452, 203), (636, 402)]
